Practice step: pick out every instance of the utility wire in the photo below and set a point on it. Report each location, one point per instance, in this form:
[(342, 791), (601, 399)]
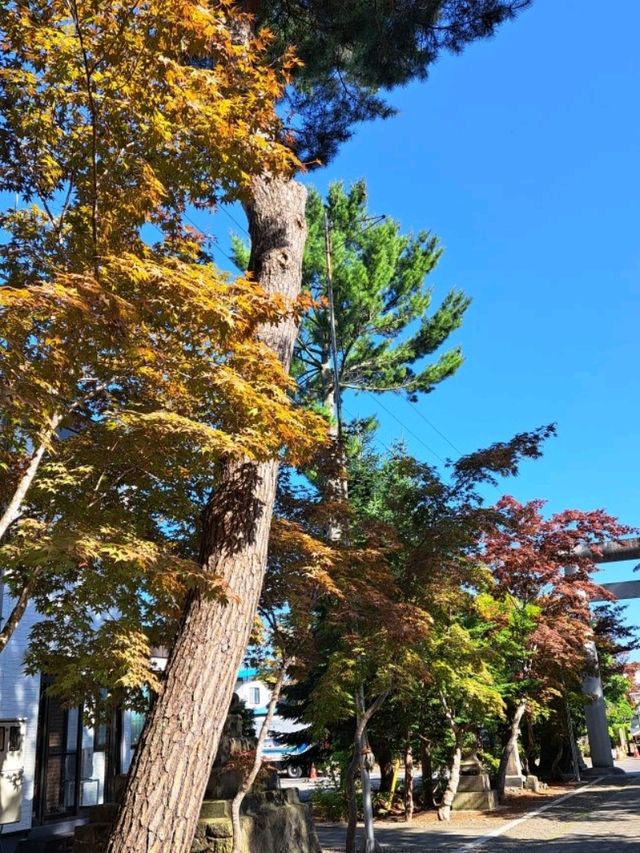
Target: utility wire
[(210, 238), (406, 428), (435, 428), (234, 220)]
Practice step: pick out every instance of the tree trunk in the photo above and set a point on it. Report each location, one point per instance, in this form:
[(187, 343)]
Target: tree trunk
[(13, 620), (257, 761), (173, 760), (366, 763), (444, 810), (360, 760), (510, 746), (352, 804), (408, 783), (13, 508), (426, 765), (384, 759)]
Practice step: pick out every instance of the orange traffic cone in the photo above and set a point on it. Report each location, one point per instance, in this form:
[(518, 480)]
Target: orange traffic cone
[(313, 773)]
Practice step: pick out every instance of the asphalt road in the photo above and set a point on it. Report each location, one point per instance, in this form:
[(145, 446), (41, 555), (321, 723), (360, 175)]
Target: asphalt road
[(601, 818)]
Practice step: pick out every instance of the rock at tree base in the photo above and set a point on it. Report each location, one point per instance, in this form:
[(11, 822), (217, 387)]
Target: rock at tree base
[(273, 820)]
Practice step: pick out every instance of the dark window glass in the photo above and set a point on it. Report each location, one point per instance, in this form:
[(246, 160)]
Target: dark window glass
[(15, 741)]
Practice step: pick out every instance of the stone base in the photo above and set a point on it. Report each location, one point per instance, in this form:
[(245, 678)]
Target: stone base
[(483, 801), (514, 781), (479, 782), (272, 822)]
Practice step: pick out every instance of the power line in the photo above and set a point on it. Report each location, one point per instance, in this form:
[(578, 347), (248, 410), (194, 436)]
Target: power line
[(210, 238), (406, 428), (234, 220), (440, 433)]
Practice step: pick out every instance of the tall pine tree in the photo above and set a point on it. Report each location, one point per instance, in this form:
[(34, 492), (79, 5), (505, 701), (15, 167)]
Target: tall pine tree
[(351, 50)]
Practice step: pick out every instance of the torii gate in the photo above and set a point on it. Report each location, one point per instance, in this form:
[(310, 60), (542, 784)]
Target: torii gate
[(595, 712)]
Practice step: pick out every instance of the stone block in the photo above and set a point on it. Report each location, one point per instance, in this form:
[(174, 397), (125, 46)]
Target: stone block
[(532, 783), (480, 782), (215, 808), (219, 828), (514, 781), (475, 801)]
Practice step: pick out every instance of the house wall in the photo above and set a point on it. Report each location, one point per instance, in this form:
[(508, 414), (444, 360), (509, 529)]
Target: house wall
[(19, 698)]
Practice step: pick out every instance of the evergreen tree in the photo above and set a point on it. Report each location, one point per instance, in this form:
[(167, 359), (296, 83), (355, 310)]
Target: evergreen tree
[(354, 52), (379, 292)]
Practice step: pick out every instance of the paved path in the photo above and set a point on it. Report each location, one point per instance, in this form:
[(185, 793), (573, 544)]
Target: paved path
[(602, 818)]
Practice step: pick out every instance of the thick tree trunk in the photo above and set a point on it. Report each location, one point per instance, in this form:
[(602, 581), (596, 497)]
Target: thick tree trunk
[(426, 766), (510, 745), (444, 810), (408, 783), (171, 767)]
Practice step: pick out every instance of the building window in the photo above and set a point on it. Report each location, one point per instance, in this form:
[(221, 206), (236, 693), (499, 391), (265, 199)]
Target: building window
[(255, 695), (137, 722), (15, 740)]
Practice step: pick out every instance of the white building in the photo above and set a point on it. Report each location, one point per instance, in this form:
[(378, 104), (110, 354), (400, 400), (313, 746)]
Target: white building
[(256, 695), (57, 765)]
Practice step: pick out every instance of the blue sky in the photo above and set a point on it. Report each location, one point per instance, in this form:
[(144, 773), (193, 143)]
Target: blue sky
[(522, 155)]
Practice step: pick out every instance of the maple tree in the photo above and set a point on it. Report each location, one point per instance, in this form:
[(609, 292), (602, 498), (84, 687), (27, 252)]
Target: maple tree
[(543, 613), (129, 372)]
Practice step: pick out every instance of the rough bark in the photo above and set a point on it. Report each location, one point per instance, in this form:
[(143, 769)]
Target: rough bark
[(509, 746), (408, 783), (250, 778), (171, 767), (444, 810)]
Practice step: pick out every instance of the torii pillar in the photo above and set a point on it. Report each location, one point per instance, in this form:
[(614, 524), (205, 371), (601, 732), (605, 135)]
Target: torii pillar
[(595, 712)]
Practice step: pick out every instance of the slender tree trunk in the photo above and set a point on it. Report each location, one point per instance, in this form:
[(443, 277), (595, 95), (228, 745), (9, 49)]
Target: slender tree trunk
[(12, 510), (510, 746), (408, 782), (444, 810), (359, 761), (352, 803), (367, 797), (13, 620), (257, 761), (426, 765), (173, 760)]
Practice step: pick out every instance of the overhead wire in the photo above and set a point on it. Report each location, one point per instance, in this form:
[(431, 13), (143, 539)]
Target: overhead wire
[(234, 220), (407, 429), (435, 428)]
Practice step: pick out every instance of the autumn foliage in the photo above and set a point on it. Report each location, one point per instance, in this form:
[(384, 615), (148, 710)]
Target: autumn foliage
[(130, 370)]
